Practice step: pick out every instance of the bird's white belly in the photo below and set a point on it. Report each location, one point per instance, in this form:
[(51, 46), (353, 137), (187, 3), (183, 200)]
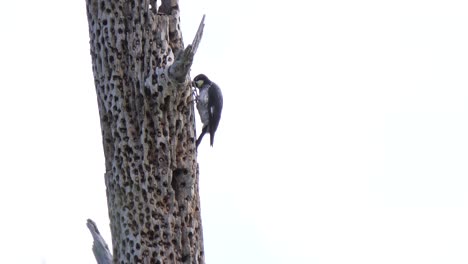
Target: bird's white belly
[(202, 106)]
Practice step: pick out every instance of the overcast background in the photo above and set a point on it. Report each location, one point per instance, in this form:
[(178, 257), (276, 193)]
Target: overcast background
[(344, 136)]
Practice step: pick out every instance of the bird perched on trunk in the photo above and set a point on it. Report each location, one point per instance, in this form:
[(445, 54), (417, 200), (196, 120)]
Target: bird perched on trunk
[(209, 105)]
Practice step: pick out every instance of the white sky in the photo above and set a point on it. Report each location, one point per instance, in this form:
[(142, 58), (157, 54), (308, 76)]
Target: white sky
[(343, 137)]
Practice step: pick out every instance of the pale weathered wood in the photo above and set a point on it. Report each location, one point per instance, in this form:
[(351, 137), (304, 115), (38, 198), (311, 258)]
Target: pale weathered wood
[(148, 130), (181, 67), (100, 249)]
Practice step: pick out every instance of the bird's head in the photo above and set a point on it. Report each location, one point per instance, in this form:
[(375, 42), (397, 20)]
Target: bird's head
[(200, 80)]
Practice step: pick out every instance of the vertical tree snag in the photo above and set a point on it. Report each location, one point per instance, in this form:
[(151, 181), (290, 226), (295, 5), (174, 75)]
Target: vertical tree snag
[(146, 110)]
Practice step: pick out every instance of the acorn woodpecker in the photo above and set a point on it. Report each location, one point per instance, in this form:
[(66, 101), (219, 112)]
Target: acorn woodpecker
[(209, 105)]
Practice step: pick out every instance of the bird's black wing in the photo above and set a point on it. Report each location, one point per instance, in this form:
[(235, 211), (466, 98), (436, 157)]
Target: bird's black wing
[(215, 106)]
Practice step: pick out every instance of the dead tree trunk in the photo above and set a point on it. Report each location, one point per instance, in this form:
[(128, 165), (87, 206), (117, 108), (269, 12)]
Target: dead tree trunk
[(146, 110)]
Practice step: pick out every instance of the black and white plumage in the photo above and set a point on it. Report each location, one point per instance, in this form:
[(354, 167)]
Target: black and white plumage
[(209, 105)]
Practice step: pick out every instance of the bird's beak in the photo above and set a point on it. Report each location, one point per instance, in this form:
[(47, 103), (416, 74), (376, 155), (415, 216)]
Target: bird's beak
[(193, 84)]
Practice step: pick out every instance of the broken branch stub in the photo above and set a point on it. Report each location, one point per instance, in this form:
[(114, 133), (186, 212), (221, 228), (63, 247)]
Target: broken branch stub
[(100, 249), (184, 59)]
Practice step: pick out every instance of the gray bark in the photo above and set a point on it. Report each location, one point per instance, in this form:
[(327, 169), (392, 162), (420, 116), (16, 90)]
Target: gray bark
[(146, 110)]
